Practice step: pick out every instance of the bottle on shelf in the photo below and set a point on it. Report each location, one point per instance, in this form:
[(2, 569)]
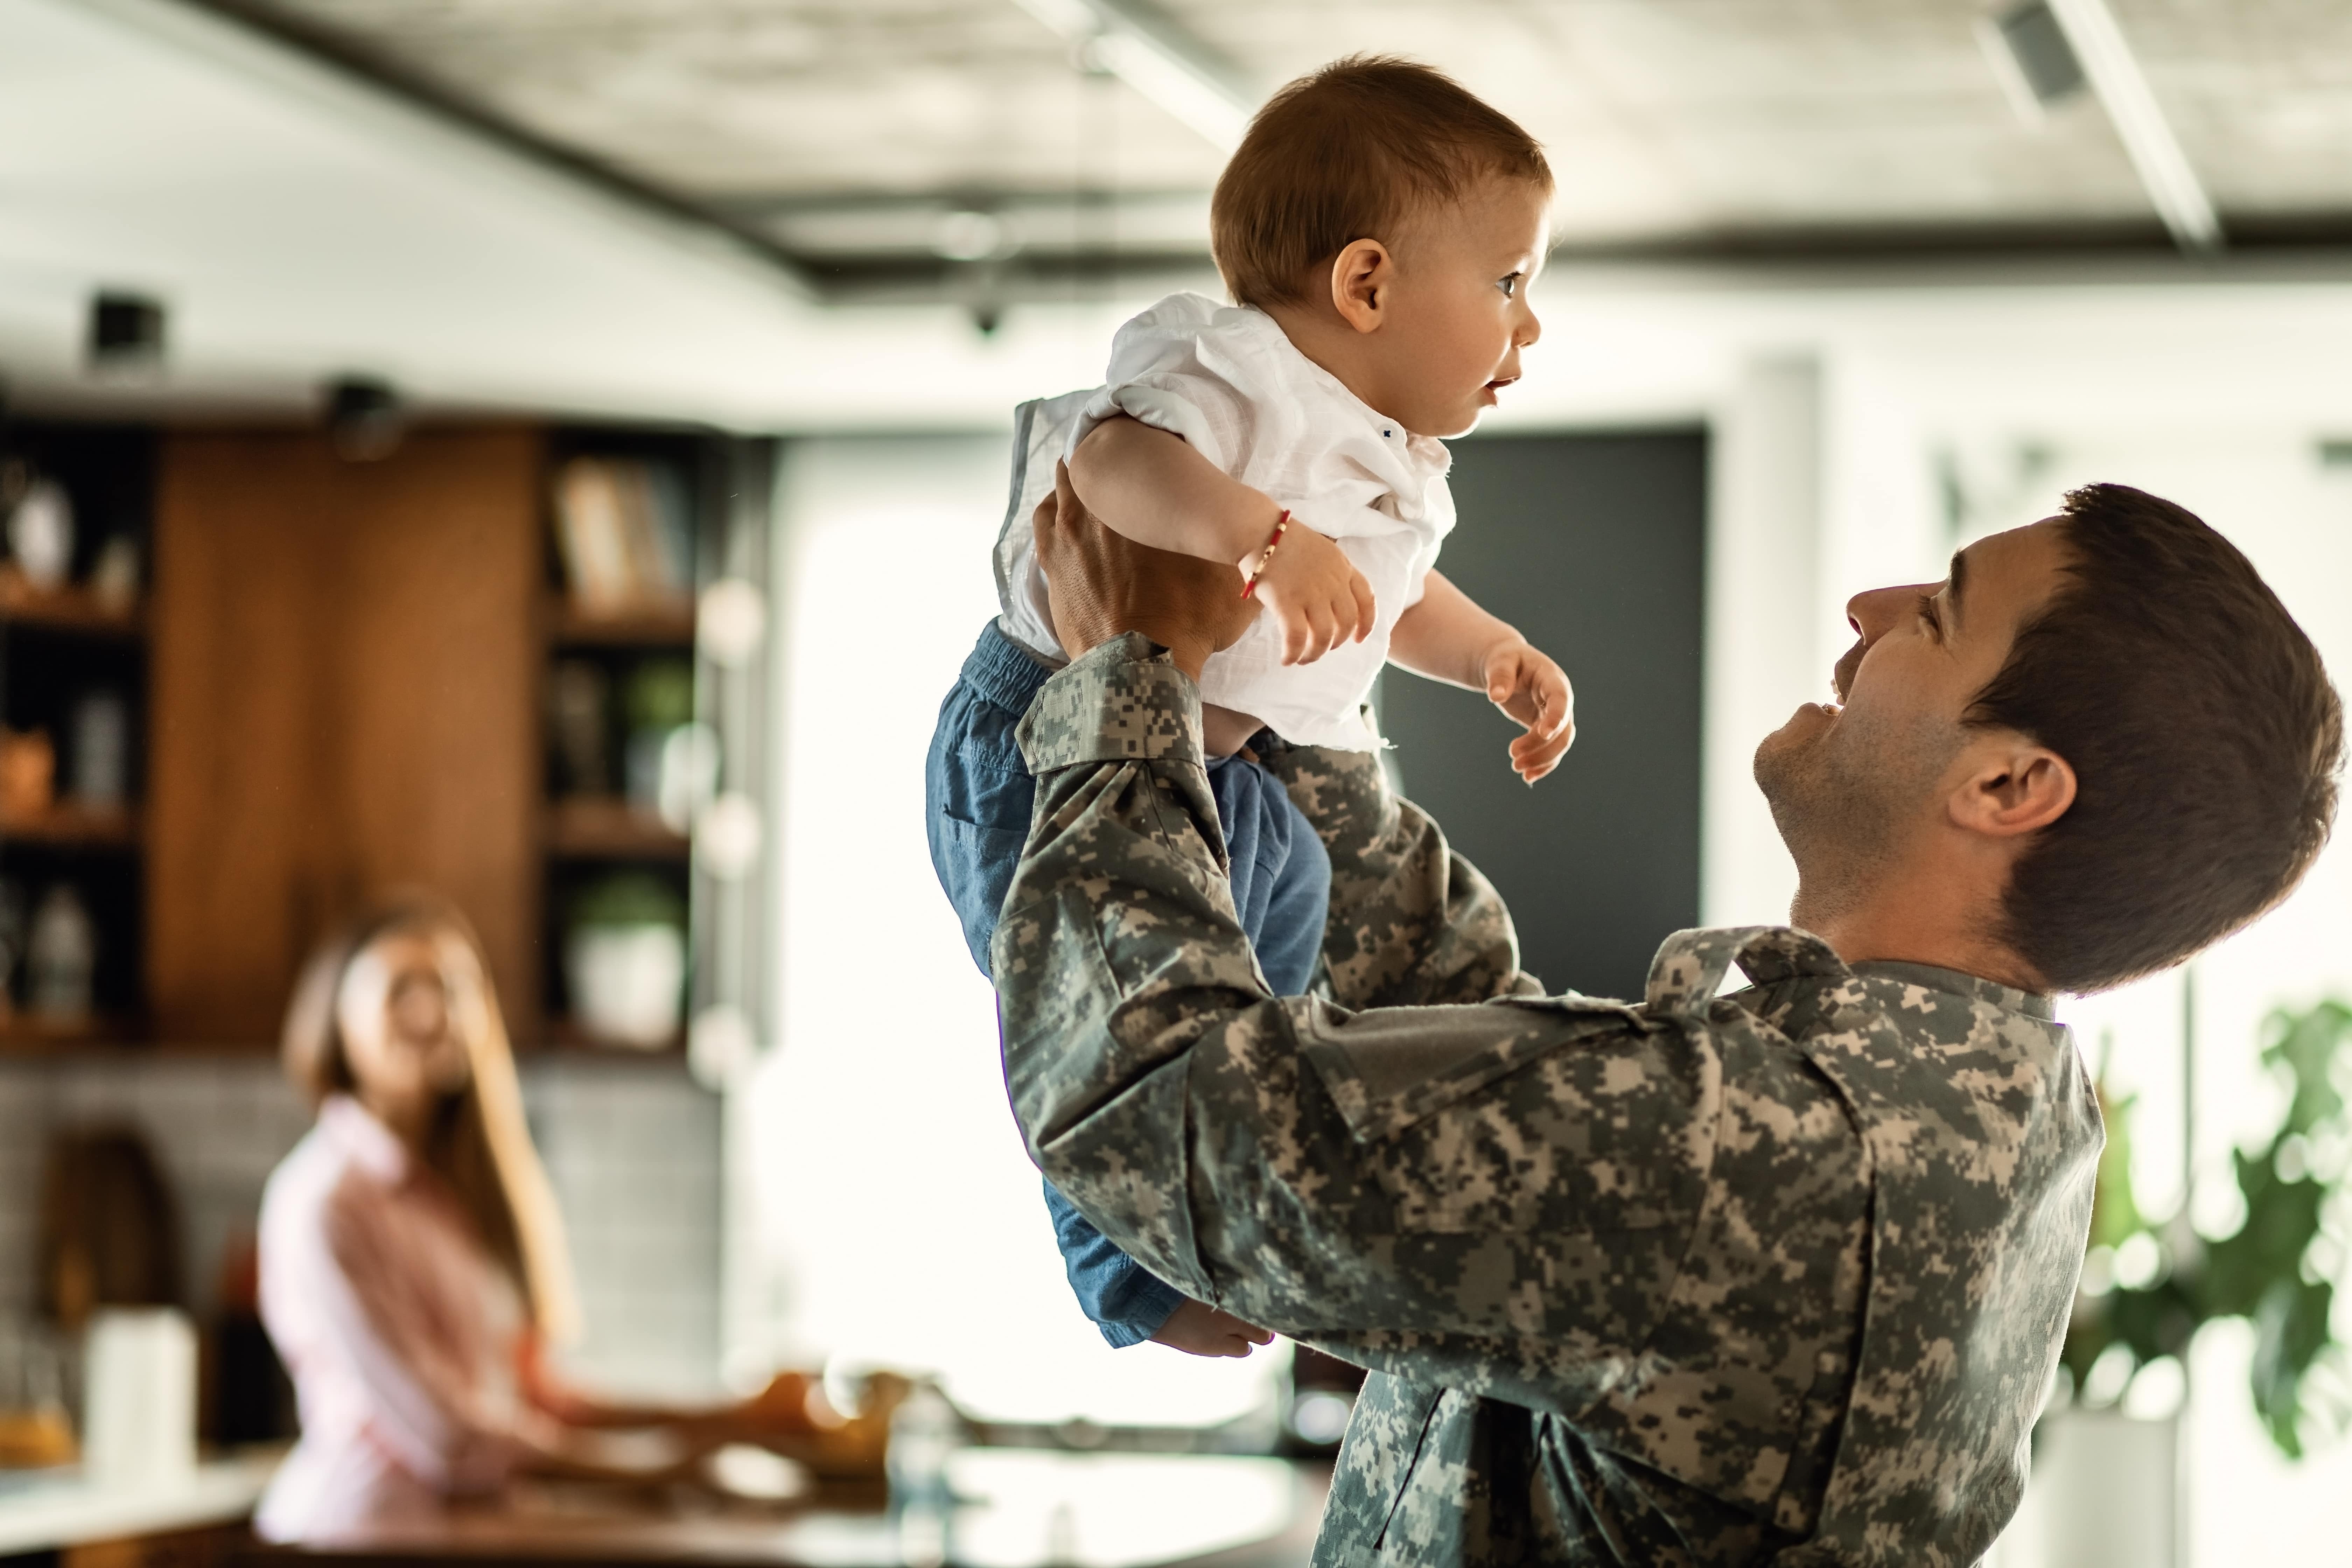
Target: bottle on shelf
[(101, 752), (61, 958)]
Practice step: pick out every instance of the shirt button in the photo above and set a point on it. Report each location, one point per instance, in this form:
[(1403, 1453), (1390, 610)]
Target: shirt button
[(1386, 434)]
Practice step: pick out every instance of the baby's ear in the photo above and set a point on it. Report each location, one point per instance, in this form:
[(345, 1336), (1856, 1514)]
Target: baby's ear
[(1360, 276)]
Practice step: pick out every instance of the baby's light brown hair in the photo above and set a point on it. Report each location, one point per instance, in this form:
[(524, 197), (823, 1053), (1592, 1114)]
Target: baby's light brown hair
[(1347, 153)]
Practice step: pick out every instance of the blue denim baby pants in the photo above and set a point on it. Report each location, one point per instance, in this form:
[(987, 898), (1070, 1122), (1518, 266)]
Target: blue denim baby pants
[(977, 799)]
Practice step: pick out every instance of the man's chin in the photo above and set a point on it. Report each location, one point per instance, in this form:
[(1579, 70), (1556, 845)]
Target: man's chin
[(1789, 753), (1806, 725)]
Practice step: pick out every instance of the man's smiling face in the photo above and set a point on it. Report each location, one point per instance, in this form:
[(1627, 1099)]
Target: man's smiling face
[(1850, 784)]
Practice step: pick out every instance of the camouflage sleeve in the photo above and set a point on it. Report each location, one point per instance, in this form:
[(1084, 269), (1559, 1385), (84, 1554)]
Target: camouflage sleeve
[(1412, 923), (1399, 1172)]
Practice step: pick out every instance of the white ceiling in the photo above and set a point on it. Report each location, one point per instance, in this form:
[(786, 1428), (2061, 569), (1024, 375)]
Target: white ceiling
[(1673, 122), (300, 224)]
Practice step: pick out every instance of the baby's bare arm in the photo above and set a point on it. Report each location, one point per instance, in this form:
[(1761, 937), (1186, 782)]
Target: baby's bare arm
[(1154, 489), (1447, 636)]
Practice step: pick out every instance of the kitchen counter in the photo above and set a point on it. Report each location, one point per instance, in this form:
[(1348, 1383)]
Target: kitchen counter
[(43, 1510), (1016, 1509)]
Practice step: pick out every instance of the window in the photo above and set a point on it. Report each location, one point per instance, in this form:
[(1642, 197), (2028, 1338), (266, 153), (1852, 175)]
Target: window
[(892, 1215)]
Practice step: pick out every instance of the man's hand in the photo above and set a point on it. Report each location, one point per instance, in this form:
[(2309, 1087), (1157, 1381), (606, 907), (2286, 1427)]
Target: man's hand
[(1528, 685), (1315, 593), (1099, 585), (1198, 1329)]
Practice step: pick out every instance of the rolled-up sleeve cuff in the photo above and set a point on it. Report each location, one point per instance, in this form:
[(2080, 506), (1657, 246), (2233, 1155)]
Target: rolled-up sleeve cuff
[(1150, 1303), (1124, 701)]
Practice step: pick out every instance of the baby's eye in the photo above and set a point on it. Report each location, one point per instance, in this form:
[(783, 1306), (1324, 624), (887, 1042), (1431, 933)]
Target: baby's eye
[(1509, 285)]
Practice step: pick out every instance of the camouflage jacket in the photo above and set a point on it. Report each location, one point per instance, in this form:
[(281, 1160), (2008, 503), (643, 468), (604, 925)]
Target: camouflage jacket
[(1778, 1276)]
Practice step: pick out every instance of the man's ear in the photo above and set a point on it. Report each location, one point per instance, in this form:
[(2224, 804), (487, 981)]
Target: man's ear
[(1361, 276), (2016, 787)]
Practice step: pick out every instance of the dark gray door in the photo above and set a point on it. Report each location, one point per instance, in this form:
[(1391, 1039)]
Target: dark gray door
[(1594, 546)]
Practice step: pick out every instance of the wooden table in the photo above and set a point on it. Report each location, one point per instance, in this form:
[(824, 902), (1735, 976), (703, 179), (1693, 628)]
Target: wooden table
[(1016, 1509)]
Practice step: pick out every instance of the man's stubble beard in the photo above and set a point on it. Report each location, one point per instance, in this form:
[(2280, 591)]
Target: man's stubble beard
[(1842, 801)]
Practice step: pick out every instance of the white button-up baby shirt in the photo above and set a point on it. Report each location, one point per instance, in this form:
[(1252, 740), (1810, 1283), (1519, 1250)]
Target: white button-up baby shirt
[(1228, 381)]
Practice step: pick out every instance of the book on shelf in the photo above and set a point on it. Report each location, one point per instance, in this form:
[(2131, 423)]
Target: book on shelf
[(623, 531)]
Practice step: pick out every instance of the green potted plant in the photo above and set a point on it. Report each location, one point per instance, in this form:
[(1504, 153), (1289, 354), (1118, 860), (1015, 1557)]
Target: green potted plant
[(2275, 1270), (624, 959)]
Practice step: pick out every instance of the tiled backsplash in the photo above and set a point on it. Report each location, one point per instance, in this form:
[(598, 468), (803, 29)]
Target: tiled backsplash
[(632, 1148), (634, 1152)]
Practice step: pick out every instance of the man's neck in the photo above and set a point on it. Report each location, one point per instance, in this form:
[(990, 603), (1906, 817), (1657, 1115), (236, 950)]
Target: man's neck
[(1866, 935)]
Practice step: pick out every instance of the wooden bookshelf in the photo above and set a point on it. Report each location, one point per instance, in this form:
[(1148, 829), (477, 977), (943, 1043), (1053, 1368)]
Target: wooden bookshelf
[(650, 626), (337, 677), (589, 827), (564, 1033), (28, 1033), (72, 608), (68, 822), (59, 647)]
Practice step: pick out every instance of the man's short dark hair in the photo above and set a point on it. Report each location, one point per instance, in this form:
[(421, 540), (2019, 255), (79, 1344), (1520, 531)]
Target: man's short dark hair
[(2204, 733)]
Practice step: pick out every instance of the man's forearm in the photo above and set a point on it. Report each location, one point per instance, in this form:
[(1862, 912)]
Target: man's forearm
[(1124, 836), (1254, 1152), (1412, 924)]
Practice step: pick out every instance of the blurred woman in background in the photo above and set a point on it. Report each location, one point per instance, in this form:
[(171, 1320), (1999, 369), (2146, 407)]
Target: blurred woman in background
[(412, 1261)]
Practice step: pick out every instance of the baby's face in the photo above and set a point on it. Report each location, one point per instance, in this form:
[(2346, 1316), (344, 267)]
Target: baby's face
[(1458, 310)]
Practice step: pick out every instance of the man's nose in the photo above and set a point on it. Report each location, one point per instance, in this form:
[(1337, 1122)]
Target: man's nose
[(1875, 611)]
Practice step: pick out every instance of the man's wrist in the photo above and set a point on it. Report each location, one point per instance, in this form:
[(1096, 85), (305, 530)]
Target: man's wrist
[(1189, 654), (1186, 650), (1126, 700)]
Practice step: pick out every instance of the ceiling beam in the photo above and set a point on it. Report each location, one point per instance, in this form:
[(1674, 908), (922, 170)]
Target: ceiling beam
[(251, 31), (2154, 153), (1195, 82)]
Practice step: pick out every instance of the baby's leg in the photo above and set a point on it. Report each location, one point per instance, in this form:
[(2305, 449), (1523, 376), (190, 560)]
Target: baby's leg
[(977, 789), (977, 798), (1224, 730), (1281, 873)]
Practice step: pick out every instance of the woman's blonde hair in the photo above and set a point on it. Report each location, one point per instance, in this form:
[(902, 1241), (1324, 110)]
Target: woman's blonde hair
[(479, 1144)]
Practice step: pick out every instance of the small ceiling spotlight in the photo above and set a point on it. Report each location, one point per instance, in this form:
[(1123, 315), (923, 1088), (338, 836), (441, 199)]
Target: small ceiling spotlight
[(365, 419), (967, 233), (126, 330), (2030, 53), (2048, 51)]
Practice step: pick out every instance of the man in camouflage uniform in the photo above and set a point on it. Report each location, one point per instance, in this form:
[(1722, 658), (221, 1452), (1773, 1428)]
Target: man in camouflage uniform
[(1773, 1276)]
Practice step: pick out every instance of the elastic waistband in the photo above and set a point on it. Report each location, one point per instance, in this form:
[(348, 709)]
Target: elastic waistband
[(1004, 672)]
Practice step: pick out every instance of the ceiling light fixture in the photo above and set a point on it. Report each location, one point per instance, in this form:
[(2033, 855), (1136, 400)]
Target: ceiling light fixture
[(126, 330), (2054, 45), (2029, 53), (1155, 55), (365, 418), (968, 234)]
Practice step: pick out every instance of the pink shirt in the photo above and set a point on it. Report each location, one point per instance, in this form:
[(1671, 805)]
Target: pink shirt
[(399, 1332)]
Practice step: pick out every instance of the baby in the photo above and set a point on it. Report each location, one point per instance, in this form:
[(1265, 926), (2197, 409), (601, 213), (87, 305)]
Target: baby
[(1377, 229)]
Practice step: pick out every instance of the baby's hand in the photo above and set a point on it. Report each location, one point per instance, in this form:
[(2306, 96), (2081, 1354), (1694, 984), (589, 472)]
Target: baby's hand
[(1316, 593), (1531, 689), (1198, 1329)]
